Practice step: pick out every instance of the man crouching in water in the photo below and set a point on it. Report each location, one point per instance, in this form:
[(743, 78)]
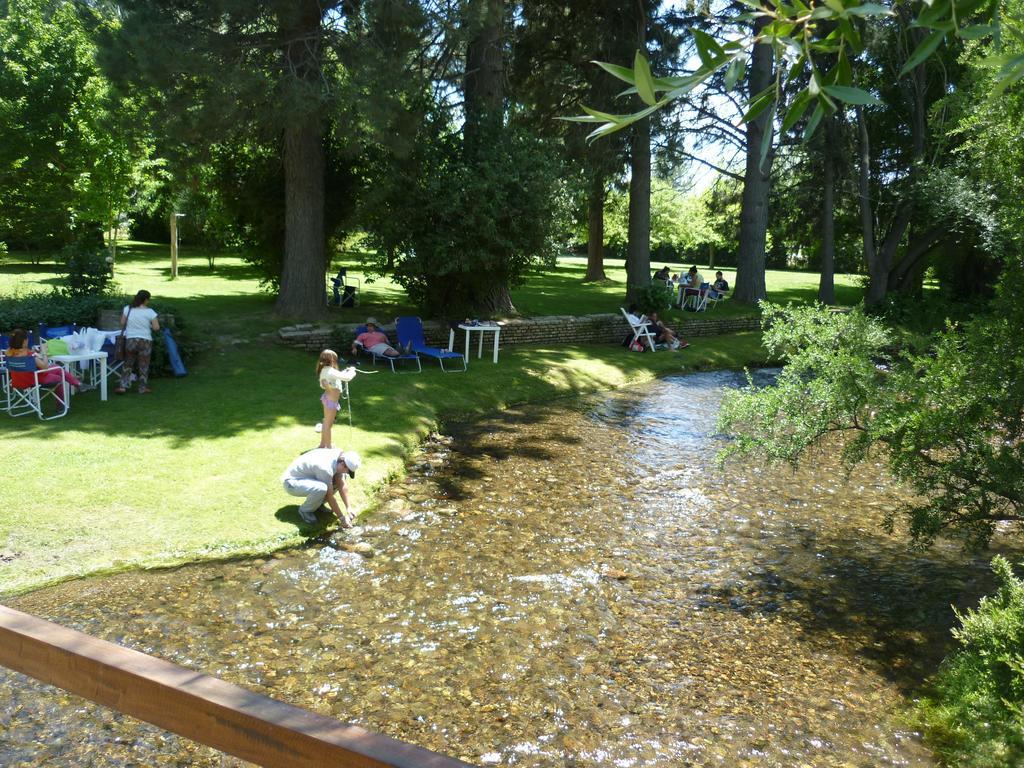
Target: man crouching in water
[(317, 475)]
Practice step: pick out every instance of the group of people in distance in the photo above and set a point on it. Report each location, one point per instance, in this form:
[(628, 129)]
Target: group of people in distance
[(691, 282)]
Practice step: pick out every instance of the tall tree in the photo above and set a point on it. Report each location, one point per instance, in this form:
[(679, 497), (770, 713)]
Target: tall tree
[(750, 283), (236, 65), (638, 249)]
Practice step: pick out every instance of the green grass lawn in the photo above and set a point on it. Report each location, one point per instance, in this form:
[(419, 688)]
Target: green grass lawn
[(191, 472), (227, 297)]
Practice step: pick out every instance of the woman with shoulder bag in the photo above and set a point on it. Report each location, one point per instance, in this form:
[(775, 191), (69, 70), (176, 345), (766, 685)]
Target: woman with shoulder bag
[(138, 322)]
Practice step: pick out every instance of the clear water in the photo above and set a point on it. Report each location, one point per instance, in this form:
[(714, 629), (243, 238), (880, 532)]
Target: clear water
[(571, 585)]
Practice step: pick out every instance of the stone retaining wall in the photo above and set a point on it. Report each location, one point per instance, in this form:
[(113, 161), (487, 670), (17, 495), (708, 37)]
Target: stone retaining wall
[(539, 331)]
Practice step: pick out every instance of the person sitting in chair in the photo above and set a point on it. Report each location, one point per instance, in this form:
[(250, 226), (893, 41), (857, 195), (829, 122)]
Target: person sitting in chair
[(663, 274), (373, 340), (664, 334), (721, 285)]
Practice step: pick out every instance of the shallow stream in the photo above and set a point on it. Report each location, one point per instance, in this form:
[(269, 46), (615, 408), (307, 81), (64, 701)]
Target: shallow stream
[(569, 585)]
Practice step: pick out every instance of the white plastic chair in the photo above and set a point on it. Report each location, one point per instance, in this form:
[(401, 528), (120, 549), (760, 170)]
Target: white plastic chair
[(640, 330)]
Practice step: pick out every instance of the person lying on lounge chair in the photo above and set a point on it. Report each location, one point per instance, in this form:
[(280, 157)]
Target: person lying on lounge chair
[(373, 340)]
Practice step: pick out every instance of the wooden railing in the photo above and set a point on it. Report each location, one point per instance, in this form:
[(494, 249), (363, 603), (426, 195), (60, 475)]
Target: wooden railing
[(202, 708)]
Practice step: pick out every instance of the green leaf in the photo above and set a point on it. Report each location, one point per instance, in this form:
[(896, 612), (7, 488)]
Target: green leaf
[(869, 9), (734, 73), (1011, 73), (621, 121), (582, 119), (836, 5), (850, 95), (923, 51), (623, 73), (759, 103), (766, 143), (644, 81), (977, 31), (822, 12), (708, 48), (812, 124), (796, 109), (601, 115), (797, 68)]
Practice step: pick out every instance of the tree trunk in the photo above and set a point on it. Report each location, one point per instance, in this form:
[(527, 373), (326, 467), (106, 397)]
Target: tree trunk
[(483, 82), (826, 286), (303, 271), (484, 101), (876, 285), (638, 251), (750, 285), (907, 276), (498, 301), (595, 230), (638, 247)]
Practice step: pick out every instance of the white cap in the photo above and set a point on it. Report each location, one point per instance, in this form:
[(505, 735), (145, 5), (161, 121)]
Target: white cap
[(352, 461)]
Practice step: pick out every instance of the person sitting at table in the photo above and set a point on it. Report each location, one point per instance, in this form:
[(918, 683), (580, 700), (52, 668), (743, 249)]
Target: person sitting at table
[(20, 348), (693, 281), (663, 274), (373, 340)]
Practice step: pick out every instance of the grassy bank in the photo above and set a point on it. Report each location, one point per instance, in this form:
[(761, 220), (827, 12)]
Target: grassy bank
[(191, 472)]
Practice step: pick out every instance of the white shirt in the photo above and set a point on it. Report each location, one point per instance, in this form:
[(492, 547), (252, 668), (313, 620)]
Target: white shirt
[(335, 379), (138, 326), (318, 464)]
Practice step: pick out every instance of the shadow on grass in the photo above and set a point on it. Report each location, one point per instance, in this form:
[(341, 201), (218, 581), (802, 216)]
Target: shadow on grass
[(290, 514)]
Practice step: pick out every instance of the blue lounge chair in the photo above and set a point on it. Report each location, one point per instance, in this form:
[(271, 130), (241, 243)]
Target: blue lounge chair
[(410, 336), (390, 360)]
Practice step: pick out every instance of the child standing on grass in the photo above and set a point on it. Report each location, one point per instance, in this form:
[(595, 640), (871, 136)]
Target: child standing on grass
[(332, 381)]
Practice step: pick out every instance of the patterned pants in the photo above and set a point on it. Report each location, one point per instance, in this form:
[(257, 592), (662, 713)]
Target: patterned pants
[(136, 353)]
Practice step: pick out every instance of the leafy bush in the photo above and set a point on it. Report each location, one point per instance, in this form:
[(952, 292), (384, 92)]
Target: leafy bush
[(656, 297), (975, 716), (29, 310), (87, 267), (453, 229)]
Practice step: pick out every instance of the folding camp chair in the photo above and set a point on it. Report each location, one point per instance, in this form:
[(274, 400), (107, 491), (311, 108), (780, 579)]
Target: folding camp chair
[(390, 360), (26, 392), (410, 336), (713, 297), (696, 299), (56, 331), (641, 331), (345, 289)]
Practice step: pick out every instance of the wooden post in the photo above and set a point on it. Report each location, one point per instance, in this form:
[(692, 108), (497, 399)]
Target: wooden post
[(174, 245), (202, 708)]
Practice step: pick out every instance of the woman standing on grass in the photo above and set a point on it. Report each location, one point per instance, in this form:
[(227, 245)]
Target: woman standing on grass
[(138, 322)]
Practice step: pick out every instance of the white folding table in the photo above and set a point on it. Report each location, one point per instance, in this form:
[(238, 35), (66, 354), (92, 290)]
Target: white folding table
[(85, 357), (495, 329)]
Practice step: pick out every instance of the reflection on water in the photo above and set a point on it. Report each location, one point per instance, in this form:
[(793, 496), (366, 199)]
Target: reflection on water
[(567, 585)]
